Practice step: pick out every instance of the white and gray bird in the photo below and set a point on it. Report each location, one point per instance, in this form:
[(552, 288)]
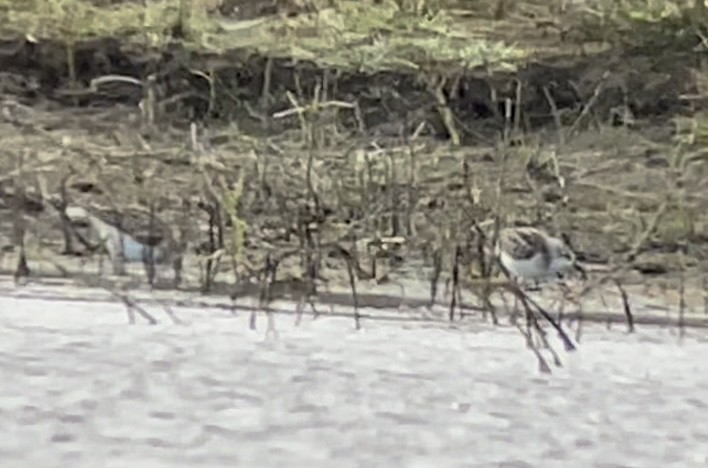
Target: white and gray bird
[(531, 254), (130, 235), (122, 245)]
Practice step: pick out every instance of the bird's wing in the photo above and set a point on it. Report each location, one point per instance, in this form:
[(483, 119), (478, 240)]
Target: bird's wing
[(521, 244), (137, 223)]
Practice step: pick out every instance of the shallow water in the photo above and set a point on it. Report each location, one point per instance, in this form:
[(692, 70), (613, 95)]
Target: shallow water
[(81, 388)]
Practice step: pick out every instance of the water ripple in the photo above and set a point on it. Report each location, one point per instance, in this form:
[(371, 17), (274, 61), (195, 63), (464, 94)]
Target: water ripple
[(82, 388)]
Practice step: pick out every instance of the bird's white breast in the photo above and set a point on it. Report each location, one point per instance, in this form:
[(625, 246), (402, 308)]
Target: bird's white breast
[(528, 268)]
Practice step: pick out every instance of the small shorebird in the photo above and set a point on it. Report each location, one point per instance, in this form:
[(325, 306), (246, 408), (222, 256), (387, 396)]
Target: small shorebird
[(531, 254), (123, 245), (130, 235)]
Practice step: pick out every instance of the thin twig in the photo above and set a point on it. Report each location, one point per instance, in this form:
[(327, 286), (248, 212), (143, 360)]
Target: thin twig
[(626, 307)]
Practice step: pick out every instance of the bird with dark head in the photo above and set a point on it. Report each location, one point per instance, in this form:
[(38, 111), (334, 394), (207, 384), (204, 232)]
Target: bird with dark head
[(529, 253)]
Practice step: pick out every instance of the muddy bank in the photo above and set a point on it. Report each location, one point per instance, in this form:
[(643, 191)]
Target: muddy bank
[(406, 302), (299, 171), (610, 87)]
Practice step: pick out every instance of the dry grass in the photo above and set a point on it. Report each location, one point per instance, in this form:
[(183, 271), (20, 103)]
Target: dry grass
[(352, 35), (360, 35), (295, 180)]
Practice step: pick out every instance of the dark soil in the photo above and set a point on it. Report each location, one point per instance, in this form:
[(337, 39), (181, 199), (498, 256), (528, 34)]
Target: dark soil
[(585, 145)]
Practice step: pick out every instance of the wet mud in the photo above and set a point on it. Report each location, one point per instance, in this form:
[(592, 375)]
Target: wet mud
[(254, 167)]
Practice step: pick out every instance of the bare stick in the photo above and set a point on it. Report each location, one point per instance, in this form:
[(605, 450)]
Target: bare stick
[(543, 366), (643, 236), (435, 276), (705, 294), (544, 340), (355, 297), (626, 307), (526, 300), (133, 306), (682, 293), (455, 282), (591, 102), (556, 115)]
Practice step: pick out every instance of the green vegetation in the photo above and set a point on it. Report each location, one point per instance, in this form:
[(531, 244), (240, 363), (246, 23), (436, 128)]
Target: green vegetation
[(361, 35), (355, 34)]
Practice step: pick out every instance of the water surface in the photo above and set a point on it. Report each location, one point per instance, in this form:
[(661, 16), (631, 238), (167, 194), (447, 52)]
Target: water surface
[(82, 388)]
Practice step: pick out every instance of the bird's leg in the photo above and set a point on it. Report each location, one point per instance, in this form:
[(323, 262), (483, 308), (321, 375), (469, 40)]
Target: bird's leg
[(533, 286), (116, 254)]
